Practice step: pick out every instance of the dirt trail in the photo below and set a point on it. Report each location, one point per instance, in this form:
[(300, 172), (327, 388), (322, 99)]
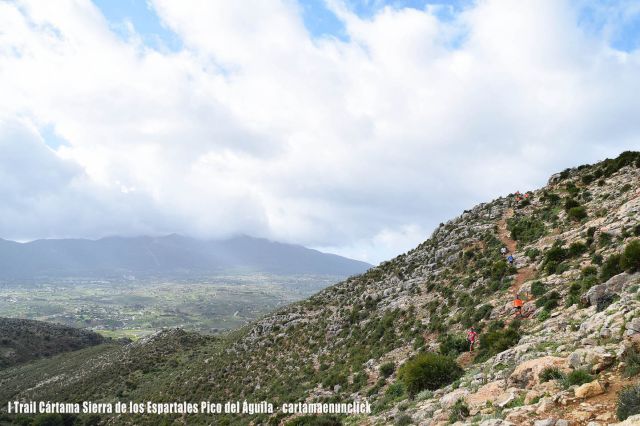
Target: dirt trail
[(465, 359), (524, 274)]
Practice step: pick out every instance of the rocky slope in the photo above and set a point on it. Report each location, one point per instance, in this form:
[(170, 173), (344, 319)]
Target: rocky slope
[(564, 363), (25, 340)]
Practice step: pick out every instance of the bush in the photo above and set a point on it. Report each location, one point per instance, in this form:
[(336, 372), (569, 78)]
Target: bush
[(555, 254), (315, 420), (526, 228), (578, 377), (604, 239), (577, 213), (570, 203), (628, 402), (429, 371), (404, 420), (425, 394), (612, 266), (551, 373), (395, 390), (538, 289), (532, 253), (576, 249), (453, 345), (498, 339), (630, 260), (459, 411), (632, 362), (549, 301), (387, 369)]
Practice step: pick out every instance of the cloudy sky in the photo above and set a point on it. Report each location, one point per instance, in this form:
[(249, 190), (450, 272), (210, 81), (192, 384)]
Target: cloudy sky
[(351, 126)]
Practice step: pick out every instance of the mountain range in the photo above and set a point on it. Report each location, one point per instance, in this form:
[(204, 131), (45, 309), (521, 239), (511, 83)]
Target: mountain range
[(171, 254)]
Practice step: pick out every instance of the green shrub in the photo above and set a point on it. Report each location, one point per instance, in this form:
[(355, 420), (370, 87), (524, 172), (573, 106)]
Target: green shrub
[(604, 239), (612, 266), (526, 229), (578, 377), (404, 420), (630, 260), (632, 362), (587, 179), (538, 289), (429, 371), (570, 203), (549, 301), (628, 402), (551, 373), (453, 345), (425, 394), (577, 213), (555, 254), (576, 249), (315, 420), (636, 230), (459, 411), (387, 369), (483, 312), (395, 390), (543, 315), (498, 339), (532, 253)]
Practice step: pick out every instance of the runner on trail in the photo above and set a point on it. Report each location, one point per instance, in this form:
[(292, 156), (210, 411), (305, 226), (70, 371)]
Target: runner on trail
[(517, 304), (472, 337), (510, 259), (503, 251)]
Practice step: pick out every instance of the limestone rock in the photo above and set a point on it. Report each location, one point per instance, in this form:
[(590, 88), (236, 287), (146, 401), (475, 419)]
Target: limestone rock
[(589, 389), (449, 399), (526, 375), (488, 392)]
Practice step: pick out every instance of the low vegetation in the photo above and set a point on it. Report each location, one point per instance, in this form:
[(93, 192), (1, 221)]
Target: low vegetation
[(428, 371)]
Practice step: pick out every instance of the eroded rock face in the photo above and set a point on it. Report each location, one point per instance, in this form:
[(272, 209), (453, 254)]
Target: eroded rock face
[(526, 375)]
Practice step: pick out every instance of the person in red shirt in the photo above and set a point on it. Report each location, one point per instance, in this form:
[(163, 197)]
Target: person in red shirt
[(472, 337)]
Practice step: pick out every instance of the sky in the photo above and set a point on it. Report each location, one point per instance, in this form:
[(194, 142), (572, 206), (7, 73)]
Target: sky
[(355, 127)]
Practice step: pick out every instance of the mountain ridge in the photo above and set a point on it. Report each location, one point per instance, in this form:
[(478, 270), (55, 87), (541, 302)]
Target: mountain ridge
[(170, 253)]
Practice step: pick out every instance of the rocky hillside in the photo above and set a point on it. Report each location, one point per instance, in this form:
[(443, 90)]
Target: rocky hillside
[(25, 340), (395, 335)]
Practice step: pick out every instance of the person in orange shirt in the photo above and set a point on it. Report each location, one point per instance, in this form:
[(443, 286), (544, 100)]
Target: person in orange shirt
[(517, 304)]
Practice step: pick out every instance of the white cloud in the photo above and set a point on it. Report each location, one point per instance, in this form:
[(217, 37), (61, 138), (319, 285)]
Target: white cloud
[(255, 127)]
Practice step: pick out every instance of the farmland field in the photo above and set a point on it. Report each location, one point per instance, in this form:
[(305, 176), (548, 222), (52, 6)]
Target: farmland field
[(134, 308)]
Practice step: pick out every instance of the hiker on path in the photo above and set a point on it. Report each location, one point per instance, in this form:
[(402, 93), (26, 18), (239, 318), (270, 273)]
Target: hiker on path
[(503, 251), (472, 337), (517, 304), (510, 259)]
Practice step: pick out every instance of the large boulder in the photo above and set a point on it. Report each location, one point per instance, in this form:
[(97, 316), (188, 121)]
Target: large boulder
[(488, 392), (526, 375), (597, 358), (449, 399), (615, 285), (589, 389)]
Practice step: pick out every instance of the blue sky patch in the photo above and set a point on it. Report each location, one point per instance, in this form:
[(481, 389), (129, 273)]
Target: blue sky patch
[(51, 138), (144, 19)]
